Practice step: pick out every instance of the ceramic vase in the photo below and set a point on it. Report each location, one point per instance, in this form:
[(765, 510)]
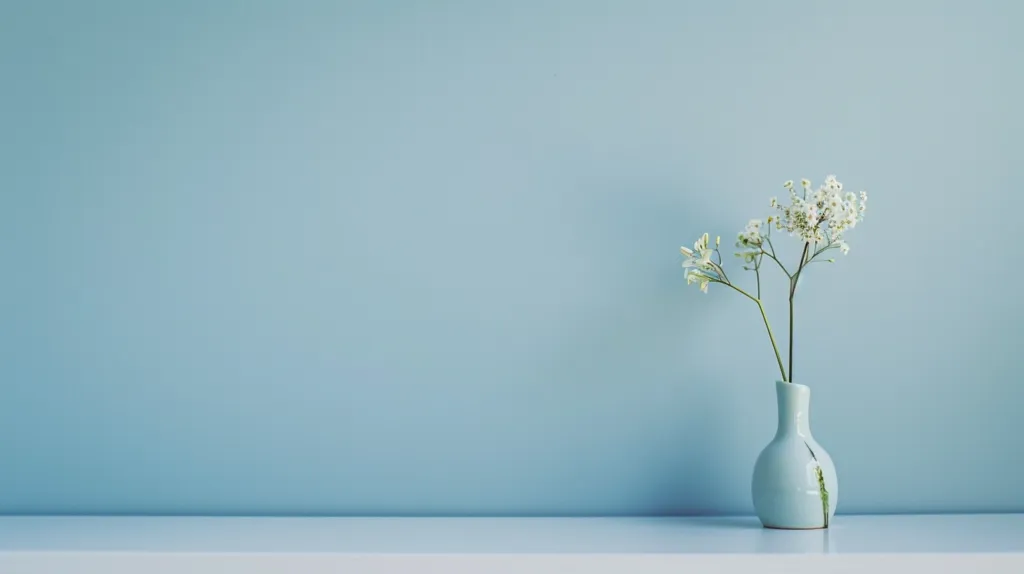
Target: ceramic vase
[(794, 486)]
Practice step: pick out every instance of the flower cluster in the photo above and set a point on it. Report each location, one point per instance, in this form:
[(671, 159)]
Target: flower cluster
[(820, 216), (750, 240), (700, 268)]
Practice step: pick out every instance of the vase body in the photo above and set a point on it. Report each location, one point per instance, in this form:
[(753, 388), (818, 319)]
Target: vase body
[(794, 484)]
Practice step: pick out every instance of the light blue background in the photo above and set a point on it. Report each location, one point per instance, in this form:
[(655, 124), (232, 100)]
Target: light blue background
[(422, 257)]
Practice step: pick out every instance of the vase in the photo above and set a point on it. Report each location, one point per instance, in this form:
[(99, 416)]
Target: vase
[(794, 486)]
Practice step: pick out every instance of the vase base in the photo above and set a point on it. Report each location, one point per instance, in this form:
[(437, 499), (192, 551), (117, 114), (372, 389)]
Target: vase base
[(795, 528)]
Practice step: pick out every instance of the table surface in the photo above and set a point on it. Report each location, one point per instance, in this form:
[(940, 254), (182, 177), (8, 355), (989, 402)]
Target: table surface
[(986, 533)]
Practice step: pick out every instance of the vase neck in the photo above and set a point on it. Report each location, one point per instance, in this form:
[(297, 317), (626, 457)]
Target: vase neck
[(794, 409)]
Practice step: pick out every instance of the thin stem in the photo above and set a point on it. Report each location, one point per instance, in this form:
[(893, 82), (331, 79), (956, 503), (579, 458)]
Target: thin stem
[(814, 258), (827, 246), (721, 272), (791, 335), (757, 273), (764, 316), (775, 347), (792, 293), (776, 259)]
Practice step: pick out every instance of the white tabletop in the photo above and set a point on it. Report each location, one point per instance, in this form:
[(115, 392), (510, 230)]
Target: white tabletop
[(226, 545), (741, 535)]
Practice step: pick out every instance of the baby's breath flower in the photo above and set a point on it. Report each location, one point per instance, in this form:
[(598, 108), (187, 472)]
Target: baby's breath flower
[(810, 212), (750, 240), (825, 210), (834, 203), (751, 234), (818, 217)]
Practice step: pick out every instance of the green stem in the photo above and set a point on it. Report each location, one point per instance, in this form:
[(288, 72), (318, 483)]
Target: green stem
[(721, 273), (775, 257), (828, 246), (775, 347), (764, 316), (792, 293), (790, 334), (757, 273)]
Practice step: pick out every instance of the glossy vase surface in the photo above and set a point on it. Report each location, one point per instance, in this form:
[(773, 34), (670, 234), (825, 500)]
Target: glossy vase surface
[(794, 484)]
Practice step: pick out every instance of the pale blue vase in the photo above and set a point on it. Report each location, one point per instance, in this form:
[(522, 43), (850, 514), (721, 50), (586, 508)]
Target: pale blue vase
[(795, 484)]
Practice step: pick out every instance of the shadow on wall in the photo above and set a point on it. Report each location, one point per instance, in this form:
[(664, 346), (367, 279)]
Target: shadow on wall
[(633, 352), (688, 479)]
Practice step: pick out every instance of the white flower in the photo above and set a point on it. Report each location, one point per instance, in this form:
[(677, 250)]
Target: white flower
[(701, 244), (811, 234), (700, 256), (810, 211), (696, 276), (699, 260), (751, 235), (827, 212), (748, 256), (819, 217), (834, 203)]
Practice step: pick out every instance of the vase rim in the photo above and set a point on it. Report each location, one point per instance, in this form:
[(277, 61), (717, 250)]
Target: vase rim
[(779, 383)]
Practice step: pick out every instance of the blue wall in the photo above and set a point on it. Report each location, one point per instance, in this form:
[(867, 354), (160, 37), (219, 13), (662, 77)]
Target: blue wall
[(422, 257)]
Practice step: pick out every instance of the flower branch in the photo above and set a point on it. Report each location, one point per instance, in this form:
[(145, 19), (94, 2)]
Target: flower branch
[(818, 217)]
